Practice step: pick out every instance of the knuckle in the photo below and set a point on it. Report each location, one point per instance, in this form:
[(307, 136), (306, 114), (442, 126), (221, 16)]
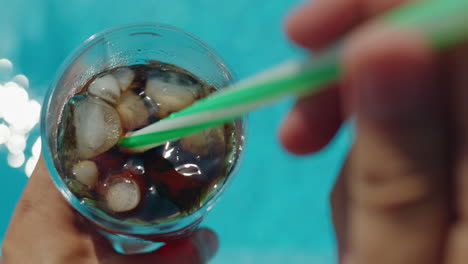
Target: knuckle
[(393, 170), (392, 185)]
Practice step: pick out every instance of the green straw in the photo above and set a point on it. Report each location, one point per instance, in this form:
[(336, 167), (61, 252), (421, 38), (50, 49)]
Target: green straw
[(441, 21)]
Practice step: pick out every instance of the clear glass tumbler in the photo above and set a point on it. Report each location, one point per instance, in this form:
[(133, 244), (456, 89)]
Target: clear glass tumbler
[(124, 46)]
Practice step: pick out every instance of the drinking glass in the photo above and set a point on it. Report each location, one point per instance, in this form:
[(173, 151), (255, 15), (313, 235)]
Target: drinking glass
[(124, 46)]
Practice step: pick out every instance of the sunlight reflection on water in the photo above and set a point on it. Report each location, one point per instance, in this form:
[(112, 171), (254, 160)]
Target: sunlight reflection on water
[(19, 114)]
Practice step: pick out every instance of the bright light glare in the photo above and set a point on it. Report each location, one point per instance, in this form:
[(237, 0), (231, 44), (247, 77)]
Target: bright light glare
[(15, 107), (21, 80), (4, 134), (6, 68), (32, 161), (36, 148), (16, 144), (30, 165), (12, 99), (18, 116), (28, 118), (15, 160)]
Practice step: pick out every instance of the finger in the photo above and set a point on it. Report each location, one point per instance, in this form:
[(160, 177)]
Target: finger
[(398, 190), (321, 22), (317, 23), (198, 248), (339, 206), (41, 200), (40, 210), (312, 122), (458, 79)]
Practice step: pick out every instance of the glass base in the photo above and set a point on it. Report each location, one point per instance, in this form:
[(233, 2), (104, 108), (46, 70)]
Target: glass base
[(129, 245)]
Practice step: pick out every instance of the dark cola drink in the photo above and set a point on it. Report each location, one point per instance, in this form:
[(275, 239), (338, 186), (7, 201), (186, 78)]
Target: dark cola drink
[(161, 184)]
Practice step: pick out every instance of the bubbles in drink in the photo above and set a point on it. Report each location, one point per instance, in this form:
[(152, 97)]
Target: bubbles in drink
[(161, 184)]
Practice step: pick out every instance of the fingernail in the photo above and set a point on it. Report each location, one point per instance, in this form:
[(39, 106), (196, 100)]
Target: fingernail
[(206, 242), (394, 92)]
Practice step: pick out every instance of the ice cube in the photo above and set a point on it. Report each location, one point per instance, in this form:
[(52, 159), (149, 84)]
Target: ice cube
[(132, 111), (172, 91), (123, 196), (124, 77), (97, 127), (86, 172), (208, 141), (106, 87), (124, 192)]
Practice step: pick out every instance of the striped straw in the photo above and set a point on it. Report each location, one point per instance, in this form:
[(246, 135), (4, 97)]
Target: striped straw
[(442, 21)]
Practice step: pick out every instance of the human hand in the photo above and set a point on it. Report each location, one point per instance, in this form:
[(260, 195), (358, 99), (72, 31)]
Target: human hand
[(45, 229), (403, 194)]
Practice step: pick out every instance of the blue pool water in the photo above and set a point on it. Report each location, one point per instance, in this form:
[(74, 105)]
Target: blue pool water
[(276, 210)]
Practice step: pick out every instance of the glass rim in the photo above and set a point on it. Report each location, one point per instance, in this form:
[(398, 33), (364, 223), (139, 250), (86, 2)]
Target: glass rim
[(107, 221)]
